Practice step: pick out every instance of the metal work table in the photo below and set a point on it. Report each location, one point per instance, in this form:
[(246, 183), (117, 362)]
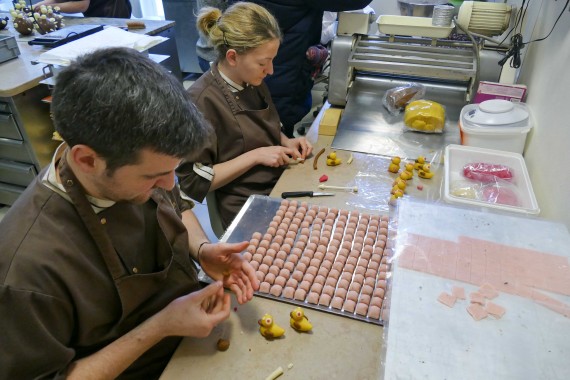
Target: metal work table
[(18, 75), (421, 334), (338, 347), (367, 126)]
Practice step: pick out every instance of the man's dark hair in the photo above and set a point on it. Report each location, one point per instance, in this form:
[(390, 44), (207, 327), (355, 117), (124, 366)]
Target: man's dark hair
[(117, 101)]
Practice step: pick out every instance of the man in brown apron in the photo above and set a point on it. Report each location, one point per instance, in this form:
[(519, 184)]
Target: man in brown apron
[(97, 273)]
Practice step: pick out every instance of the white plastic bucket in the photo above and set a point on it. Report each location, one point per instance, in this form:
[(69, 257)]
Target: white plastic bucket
[(493, 130)]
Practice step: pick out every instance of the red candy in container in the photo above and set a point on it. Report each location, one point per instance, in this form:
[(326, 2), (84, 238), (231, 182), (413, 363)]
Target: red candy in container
[(484, 172)]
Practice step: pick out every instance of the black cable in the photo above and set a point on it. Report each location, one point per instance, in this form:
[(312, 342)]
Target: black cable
[(517, 43), (520, 15), (555, 22), (514, 51), (517, 18)]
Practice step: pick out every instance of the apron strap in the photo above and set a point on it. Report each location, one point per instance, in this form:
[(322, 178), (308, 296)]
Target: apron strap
[(234, 106), (93, 224)]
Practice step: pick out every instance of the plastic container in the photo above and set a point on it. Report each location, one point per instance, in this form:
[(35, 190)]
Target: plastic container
[(8, 48), (495, 124), (457, 156), (412, 26), (442, 15), (418, 8)]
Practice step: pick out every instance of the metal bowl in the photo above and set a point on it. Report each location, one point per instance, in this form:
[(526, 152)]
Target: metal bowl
[(419, 8)]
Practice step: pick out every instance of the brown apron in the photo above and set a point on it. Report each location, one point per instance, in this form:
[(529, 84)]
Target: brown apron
[(250, 108), (141, 295)]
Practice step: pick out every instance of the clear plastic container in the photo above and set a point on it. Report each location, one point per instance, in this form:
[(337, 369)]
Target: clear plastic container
[(495, 124), (461, 190)]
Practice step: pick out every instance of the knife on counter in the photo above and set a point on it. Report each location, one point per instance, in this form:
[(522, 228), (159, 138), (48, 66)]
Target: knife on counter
[(296, 194)]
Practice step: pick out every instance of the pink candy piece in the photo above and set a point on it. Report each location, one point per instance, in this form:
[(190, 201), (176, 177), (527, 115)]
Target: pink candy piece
[(374, 312), (349, 306), (495, 310), (447, 299), (477, 311), (484, 172), (280, 281), (264, 287), (276, 290), (270, 278), (300, 294), (361, 309), (313, 298), (325, 299), (288, 292), (337, 302)]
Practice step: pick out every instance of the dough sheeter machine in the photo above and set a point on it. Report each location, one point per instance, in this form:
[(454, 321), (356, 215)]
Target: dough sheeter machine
[(364, 67)]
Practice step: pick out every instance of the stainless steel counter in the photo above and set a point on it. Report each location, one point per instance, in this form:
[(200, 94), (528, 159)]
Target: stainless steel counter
[(366, 126)]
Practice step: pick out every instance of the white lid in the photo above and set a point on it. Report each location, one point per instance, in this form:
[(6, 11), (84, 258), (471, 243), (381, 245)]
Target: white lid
[(496, 113)]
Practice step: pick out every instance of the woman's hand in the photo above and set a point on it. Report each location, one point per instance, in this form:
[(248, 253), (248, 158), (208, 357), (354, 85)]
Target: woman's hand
[(223, 262), (300, 145), (274, 156), (38, 5)]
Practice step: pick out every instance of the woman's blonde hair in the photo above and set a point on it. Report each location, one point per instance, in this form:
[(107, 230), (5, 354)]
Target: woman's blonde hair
[(242, 27)]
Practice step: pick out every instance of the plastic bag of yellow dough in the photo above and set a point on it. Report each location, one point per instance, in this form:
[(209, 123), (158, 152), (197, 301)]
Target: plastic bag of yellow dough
[(425, 116)]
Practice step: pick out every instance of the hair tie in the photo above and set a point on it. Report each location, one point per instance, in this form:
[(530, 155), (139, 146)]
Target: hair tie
[(223, 32)]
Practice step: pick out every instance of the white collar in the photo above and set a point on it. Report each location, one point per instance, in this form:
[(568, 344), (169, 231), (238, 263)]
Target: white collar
[(234, 87), (50, 181)]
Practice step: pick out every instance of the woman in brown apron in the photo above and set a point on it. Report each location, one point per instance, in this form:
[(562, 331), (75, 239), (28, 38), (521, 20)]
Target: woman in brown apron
[(248, 152)]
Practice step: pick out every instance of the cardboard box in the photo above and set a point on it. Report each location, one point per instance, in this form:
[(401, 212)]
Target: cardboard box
[(492, 90), (329, 121), (8, 48)]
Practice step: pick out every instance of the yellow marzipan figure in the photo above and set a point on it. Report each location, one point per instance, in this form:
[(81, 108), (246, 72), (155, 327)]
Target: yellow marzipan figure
[(268, 328), (425, 172), (299, 321)]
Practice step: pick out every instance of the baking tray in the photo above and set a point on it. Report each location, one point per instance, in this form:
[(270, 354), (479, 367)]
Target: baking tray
[(256, 216)]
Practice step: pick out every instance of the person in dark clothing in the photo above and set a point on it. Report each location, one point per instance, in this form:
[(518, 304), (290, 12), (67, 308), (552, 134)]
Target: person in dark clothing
[(301, 24), (91, 8)]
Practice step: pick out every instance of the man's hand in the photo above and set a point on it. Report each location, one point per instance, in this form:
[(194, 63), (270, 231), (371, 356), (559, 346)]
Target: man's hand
[(197, 313), (223, 262)]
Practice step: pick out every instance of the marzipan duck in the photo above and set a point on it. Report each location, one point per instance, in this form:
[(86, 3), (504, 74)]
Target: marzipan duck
[(420, 161), (299, 321), (333, 160), (425, 172), (406, 175), (268, 328), (395, 195), (394, 165)]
